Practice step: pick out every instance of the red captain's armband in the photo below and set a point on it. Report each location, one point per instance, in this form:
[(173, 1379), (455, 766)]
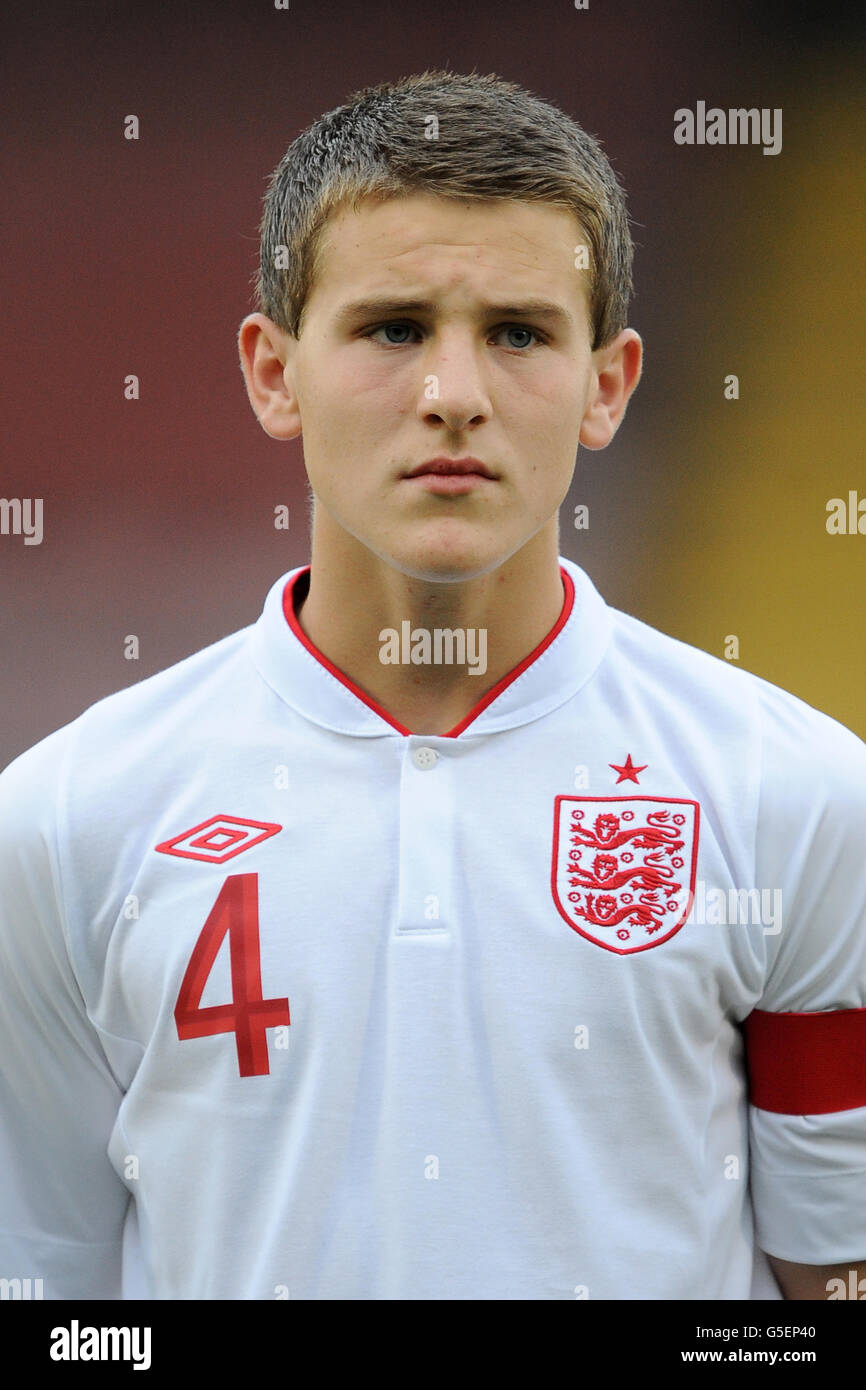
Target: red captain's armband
[(806, 1064)]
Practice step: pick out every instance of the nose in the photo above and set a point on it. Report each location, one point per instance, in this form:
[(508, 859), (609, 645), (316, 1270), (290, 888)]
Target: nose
[(454, 389)]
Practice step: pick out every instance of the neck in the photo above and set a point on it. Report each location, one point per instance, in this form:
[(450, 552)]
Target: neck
[(428, 652)]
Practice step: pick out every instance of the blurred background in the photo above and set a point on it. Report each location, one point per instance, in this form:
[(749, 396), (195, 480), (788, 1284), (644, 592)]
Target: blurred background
[(707, 516)]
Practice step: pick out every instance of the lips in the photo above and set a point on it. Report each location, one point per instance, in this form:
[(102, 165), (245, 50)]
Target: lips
[(448, 467)]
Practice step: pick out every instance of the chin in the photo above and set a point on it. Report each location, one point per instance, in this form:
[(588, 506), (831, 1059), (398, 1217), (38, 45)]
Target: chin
[(450, 553), (451, 565)]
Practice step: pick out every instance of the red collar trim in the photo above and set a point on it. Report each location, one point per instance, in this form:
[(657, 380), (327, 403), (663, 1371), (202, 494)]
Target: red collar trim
[(493, 694)]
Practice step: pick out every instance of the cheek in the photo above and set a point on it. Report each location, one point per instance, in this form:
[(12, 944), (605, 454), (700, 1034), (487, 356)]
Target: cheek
[(543, 419), (387, 391), (550, 396), (367, 392)]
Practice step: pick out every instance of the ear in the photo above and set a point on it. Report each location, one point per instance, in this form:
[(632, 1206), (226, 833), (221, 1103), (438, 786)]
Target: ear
[(267, 354), (616, 372)]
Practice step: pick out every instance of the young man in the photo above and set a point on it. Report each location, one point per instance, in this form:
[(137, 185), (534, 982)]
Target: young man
[(359, 956)]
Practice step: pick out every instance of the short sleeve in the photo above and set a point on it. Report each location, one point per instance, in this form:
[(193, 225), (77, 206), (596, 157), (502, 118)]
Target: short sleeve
[(62, 1206), (808, 1171)]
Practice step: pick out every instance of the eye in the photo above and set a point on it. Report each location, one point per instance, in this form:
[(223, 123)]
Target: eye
[(387, 327), (521, 328), (406, 328)]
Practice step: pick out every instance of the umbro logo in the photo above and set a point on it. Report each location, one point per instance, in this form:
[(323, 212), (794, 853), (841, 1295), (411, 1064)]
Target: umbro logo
[(219, 839)]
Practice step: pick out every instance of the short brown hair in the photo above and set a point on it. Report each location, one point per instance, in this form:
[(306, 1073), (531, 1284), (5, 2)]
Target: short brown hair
[(494, 140)]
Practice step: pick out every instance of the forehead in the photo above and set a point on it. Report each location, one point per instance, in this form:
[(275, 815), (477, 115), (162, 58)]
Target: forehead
[(421, 243)]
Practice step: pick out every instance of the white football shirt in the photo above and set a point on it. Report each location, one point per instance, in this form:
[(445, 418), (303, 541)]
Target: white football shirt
[(295, 1003)]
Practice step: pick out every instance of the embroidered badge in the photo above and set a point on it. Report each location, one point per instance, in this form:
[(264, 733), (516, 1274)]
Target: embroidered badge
[(624, 867), (218, 839)]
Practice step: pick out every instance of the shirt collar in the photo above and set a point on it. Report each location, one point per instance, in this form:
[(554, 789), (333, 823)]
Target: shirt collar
[(305, 679)]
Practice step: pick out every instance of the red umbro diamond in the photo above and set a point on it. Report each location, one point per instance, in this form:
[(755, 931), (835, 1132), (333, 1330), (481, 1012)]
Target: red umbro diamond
[(219, 839)]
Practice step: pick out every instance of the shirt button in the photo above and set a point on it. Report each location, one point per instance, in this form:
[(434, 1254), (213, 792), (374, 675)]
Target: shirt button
[(425, 758)]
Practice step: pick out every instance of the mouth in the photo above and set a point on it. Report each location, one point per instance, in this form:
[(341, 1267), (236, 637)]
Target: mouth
[(448, 467), (450, 476)]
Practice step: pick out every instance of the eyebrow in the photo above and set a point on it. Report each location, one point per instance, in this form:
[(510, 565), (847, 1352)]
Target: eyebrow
[(387, 307)]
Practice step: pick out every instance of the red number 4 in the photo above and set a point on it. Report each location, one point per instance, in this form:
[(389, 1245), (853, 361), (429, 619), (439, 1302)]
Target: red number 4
[(248, 1016)]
